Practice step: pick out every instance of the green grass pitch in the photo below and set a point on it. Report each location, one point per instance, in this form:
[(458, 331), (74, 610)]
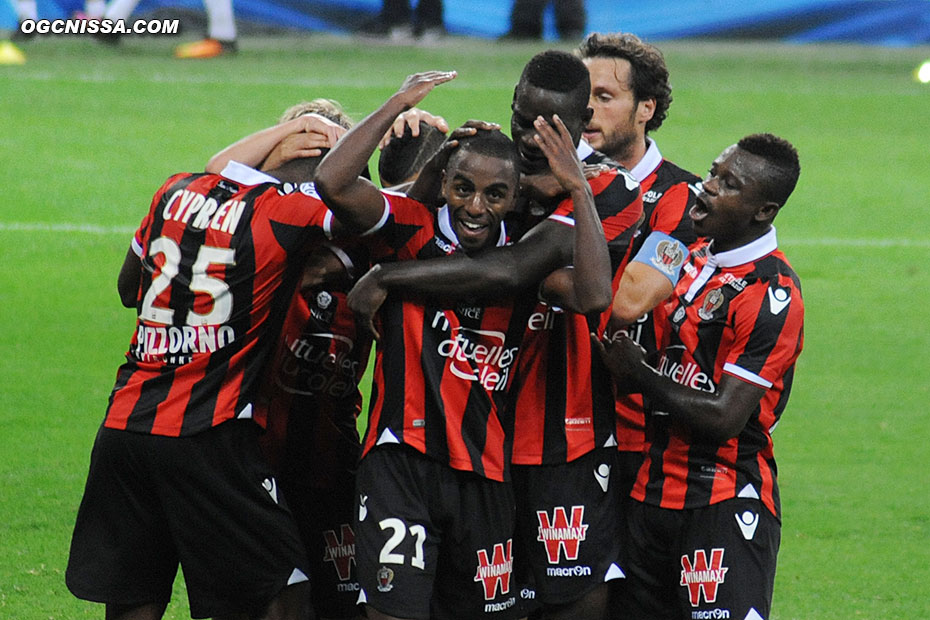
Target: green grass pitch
[(88, 133)]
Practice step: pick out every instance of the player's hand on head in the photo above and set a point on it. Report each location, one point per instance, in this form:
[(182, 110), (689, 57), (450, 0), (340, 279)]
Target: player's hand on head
[(315, 123), (366, 298), (428, 186), (557, 145), (412, 118), (417, 86), (480, 125), (472, 127), (295, 146)]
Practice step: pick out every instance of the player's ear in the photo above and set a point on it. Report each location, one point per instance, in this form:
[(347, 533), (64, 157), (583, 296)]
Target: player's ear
[(767, 211), (645, 110)]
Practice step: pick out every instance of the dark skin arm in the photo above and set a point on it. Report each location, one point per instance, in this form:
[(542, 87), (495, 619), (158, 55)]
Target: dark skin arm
[(498, 273), (355, 201), (715, 417), (503, 272), (130, 274)]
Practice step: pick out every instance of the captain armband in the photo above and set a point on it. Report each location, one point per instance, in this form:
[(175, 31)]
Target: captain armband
[(664, 253)]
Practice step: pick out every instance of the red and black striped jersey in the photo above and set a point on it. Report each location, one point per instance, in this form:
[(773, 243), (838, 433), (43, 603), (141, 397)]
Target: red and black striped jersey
[(220, 258), (562, 396), (740, 313), (442, 369), (312, 392), (667, 199)]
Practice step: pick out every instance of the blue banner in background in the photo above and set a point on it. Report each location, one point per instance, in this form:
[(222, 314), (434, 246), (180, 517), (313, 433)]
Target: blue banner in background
[(872, 22)]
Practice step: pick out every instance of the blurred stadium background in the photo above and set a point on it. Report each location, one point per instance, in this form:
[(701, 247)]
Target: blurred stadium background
[(874, 22)]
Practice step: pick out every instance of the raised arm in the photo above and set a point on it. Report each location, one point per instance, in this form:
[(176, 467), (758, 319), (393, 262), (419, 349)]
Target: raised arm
[(506, 271), (355, 201), (497, 273), (308, 134)]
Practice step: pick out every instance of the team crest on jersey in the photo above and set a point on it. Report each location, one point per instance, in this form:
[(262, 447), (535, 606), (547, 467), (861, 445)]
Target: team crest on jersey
[(340, 550), (669, 257), (560, 533), (323, 299), (701, 576), (494, 571), (385, 579), (712, 302)]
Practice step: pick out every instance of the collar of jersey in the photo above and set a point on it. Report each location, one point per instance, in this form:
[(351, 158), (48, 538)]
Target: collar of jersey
[(754, 250), (583, 149), (445, 227), (648, 163), (246, 175)]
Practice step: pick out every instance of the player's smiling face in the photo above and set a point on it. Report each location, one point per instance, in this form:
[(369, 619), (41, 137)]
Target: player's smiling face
[(730, 208), (480, 190), (530, 102)]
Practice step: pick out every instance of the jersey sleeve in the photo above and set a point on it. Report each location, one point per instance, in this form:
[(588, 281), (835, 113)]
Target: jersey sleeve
[(671, 213), (408, 225), (769, 331), (296, 209), (663, 253), (619, 205)]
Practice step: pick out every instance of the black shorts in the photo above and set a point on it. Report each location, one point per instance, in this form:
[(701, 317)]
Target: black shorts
[(207, 501), (432, 541), (568, 526), (711, 562), (325, 520)]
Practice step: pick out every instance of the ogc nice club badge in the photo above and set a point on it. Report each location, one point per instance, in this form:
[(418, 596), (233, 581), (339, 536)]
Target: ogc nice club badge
[(668, 258), (385, 577)]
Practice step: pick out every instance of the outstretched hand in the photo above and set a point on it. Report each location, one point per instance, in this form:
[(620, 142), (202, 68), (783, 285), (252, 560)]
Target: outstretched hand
[(417, 86)]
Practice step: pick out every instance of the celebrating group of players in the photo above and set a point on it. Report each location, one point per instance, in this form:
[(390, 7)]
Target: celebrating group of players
[(582, 351)]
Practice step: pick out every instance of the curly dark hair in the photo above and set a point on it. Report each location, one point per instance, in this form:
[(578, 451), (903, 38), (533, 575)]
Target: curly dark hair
[(783, 168), (648, 73)]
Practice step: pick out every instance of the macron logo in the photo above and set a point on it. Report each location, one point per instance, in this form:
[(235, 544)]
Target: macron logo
[(779, 299)]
